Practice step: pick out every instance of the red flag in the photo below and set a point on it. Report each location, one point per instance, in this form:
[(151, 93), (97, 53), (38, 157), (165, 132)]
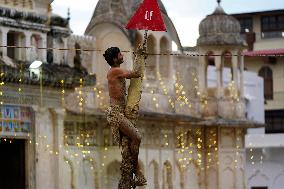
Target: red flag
[(147, 17)]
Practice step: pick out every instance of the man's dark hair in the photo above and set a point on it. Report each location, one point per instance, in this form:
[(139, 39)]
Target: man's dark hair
[(110, 54)]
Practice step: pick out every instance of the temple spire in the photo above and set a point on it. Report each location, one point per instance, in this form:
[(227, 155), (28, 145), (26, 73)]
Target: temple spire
[(218, 1)]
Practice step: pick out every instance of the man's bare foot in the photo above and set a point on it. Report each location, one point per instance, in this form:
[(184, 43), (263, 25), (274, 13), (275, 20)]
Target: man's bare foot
[(140, 179)]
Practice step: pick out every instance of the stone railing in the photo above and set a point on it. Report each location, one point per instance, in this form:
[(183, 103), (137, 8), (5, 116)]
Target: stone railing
[(227, 105), (52, 75)]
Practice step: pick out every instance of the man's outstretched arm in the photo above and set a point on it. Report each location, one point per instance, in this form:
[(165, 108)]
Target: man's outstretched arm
[(122, 73), (137, 68)]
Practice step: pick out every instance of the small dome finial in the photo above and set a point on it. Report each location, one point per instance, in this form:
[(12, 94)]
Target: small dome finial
[(219, 9), (68, 14)]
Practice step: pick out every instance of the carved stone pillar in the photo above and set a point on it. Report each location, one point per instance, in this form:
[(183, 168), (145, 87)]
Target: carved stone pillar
[(158, 63), (172, 80), (58, 128), (235, 70), (28, 44), (4, 32), (231, 158), (172, 71), (241, 58), (44, 148), (65, 52), (43, 45), (218, 64), (202, 73)]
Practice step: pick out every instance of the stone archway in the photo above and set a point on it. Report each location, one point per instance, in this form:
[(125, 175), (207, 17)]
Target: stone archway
[(167, 175), (113, 174), (138, 40), (36, 42), (164, 63), (15, 38), (226, 68), (69, 174), (210, 68), (89, 174), (153, 176), (151, 68)]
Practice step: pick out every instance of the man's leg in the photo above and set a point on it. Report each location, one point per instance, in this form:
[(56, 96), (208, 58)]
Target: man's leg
[(127, 169), (128, 129)]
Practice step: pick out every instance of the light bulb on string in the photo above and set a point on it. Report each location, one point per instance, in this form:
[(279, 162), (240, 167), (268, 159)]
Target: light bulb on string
[(20, 82), (80, 95), (2, 83), (62, 83)]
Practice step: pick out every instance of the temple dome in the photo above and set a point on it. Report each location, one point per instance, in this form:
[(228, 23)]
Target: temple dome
[(219, 28), (118, 13)]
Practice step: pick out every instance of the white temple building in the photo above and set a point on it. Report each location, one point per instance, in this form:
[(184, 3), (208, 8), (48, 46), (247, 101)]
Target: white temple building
[(195, 110)]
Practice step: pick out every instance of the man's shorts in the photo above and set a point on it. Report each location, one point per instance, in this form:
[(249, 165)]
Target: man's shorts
[(115, 114)]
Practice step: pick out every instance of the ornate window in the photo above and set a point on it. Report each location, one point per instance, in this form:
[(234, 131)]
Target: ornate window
[(272, 26), (79, 133), (106, 136), (274, 120), (267, 75), (246, 24), (15, 39)]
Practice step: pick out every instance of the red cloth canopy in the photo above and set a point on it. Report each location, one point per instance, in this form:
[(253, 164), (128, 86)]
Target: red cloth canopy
[(269, 52), (147, 17)]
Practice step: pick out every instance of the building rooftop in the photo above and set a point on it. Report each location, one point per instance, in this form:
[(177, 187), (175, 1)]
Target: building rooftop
[(276, 11), (52, 75)]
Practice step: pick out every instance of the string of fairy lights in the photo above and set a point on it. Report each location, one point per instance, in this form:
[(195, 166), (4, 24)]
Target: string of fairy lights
[(62, 92), (189, 151), (80, 95), (185, 148), (20, 83), (2, 74)]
